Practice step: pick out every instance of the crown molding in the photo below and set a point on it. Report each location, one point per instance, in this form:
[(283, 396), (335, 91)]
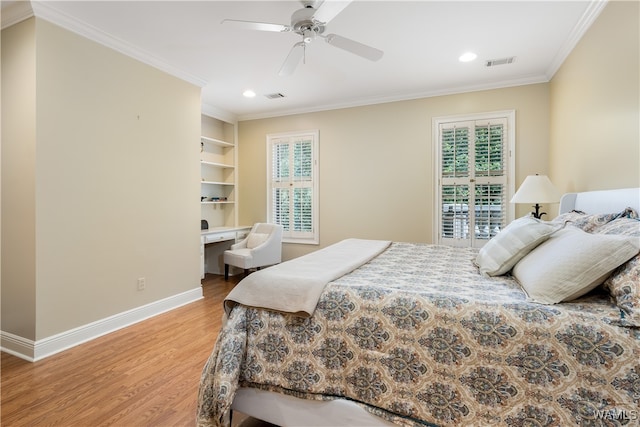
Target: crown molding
[(17, 11), (14, 12), (586, 20), (527, 80), (47, 11), (218, 113)]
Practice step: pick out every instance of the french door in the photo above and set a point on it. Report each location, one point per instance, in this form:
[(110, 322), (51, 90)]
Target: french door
[(473, 179)]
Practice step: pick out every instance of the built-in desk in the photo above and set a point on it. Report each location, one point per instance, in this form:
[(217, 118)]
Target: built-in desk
[(213, 243)]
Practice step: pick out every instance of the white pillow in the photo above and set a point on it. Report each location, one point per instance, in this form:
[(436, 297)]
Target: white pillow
[(256, 239), (571, 263), (512, 243)]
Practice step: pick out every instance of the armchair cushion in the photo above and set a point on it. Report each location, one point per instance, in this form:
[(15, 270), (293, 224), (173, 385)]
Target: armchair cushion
[(256, 239), (240, 258)]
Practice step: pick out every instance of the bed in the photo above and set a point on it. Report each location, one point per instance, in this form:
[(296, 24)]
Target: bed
[(419, 334)]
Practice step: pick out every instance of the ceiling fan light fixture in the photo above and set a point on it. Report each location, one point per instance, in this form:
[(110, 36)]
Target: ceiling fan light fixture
[(308, 35), (248, 93)]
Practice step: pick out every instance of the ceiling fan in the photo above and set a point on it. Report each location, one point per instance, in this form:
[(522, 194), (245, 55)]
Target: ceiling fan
[(309, 22)]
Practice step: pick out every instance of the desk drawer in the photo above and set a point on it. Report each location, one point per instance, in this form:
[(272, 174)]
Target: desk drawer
[(219, 237)]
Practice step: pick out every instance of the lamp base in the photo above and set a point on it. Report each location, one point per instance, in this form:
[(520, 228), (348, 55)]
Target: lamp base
[(537, 214)]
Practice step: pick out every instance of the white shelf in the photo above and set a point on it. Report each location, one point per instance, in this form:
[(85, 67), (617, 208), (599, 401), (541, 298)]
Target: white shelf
[(218, 142), (218, 165), (228, 202), (217, 183)]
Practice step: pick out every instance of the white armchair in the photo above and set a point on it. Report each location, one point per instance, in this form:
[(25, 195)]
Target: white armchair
[(261, 247)]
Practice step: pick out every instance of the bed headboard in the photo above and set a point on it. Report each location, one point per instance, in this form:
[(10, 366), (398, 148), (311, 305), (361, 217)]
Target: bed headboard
[(603, 201)]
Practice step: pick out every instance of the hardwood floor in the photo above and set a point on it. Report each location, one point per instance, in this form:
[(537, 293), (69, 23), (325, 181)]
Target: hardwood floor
[(144, 375)]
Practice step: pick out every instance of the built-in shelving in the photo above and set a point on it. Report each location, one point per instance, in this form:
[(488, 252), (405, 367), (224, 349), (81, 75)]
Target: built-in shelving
[(218, 172), (218, 193)]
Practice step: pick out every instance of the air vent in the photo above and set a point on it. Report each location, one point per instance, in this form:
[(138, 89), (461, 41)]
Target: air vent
[(501, 61), (274, 95)]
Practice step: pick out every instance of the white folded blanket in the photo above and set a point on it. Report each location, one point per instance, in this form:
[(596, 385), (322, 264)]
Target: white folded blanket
[(295, 286)]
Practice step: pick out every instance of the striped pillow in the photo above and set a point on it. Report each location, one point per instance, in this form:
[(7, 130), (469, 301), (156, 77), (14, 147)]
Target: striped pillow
[(511, 244)]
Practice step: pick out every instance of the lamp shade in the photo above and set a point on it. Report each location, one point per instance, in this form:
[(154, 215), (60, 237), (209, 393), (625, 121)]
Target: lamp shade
[(536, 189)]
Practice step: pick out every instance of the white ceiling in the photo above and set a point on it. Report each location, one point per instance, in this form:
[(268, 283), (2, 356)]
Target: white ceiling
[(421, 40)]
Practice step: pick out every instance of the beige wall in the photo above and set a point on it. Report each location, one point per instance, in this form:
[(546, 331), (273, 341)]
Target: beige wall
[(376, 162), (595, 128), (18, 179), (114, 196)]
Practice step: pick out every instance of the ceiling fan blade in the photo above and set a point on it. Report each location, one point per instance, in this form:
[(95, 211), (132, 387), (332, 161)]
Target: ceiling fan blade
[(357, 48), (329, 9), (293, 59), (260, 26)]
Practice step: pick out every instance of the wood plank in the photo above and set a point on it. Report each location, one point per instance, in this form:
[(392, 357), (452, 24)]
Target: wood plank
[(144, 375)]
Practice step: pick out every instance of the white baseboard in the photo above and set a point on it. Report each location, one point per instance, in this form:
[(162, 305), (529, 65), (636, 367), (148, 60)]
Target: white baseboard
[(33, 351)]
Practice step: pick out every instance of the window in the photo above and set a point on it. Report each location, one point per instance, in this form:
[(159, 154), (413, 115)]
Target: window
[(292, 181), (474, 179)]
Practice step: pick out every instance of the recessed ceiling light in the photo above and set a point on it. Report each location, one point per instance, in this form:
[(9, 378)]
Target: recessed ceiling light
[(249, 93), (467, 57)]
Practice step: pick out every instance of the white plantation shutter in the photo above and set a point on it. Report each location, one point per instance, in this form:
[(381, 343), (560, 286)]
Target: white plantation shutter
[(279, 178), (491, 178), (292, 176), (473, 180), (455, 180)]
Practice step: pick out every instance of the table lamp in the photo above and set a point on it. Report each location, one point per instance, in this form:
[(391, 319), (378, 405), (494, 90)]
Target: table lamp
[(536, 189)]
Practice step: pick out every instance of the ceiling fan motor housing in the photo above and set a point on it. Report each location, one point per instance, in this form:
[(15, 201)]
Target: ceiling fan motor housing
[(302, 23)]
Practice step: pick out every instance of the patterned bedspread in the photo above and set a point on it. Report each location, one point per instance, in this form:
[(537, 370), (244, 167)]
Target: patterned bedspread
[(418, 337)]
